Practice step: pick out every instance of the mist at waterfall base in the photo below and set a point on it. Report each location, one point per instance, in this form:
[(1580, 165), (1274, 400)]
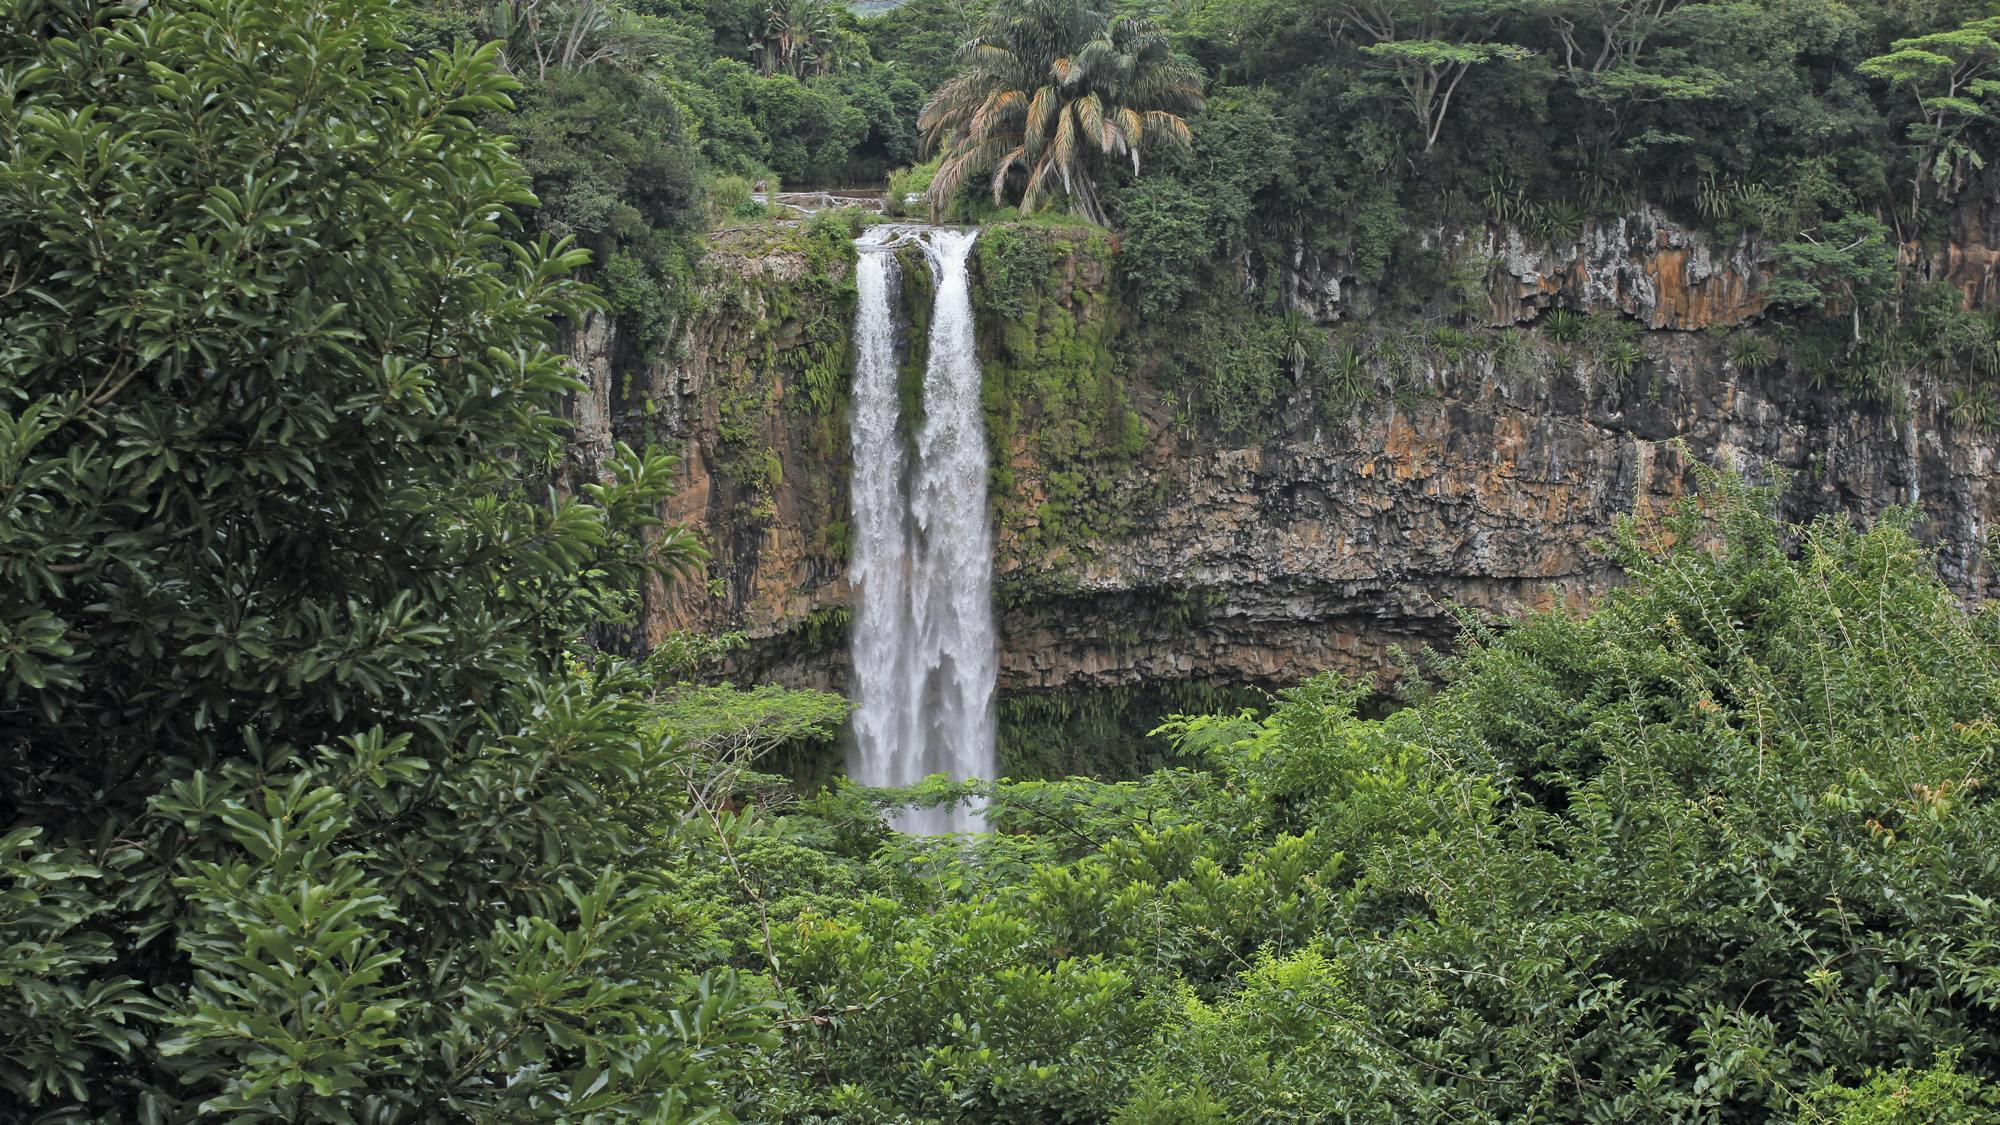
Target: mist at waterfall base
[(924, 650)]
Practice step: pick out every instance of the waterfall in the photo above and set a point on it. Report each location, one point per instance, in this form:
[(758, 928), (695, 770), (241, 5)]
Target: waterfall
[(923, 640)]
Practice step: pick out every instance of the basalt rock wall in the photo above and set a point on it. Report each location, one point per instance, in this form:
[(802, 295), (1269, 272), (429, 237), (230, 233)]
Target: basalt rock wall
[(1326, 549), (750, 392), (1135, 549), (1644, 265)]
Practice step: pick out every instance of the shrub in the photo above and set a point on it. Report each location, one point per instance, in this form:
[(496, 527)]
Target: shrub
[(1663, 861), (305, 814), (1751, 352), (1565, 327), (909, 188)]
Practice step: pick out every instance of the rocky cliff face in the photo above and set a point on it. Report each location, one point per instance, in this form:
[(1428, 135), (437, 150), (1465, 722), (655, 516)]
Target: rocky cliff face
[(1641, 265), (751, 392), (1134, 549), (1325, 549)]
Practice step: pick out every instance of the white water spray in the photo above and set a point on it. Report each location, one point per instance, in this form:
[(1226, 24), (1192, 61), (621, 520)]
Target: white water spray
[(923, 641)]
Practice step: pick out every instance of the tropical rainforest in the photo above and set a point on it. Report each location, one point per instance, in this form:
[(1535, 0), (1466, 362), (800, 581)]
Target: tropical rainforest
[(332, 791)]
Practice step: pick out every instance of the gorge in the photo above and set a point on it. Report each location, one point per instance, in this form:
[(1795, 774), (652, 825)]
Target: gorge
[(1361, 561), (1479, 476)]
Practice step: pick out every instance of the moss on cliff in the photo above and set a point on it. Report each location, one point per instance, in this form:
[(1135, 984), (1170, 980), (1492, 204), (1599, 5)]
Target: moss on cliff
[(1059, 417), (796, 328)]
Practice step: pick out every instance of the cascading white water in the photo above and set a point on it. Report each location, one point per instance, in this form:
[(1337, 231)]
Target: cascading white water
[(880, 522), (923, 642)]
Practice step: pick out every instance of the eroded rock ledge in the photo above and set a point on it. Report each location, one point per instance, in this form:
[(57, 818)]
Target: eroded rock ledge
[(1644, 265), (1325, 551)]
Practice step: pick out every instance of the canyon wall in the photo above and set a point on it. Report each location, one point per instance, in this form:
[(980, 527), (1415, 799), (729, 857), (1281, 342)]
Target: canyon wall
[(1137, 548)]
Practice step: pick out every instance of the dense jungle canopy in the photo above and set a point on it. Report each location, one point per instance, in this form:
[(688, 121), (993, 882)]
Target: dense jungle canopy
[(324, 797)]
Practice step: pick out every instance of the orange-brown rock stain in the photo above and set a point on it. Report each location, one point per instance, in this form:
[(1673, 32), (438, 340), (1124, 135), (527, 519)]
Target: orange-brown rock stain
[(1723, 297)]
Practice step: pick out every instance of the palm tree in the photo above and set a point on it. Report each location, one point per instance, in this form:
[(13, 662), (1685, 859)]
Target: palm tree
[(798, 38), (567, 35), (1051, 92)]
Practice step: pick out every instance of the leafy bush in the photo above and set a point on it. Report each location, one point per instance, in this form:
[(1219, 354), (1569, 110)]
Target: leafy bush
[(1169, 243), (909, 189), (1624, 357), (1907, 1096), (1703, 853), (1751, 352), (304, 813), (1565, 326), (730, 196)]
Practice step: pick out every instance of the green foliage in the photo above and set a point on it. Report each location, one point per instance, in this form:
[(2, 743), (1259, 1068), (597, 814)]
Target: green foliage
[(1564, 325), (1623, 358), (1014, 265), (610, 154), (1387, 119), (307, 812), (797, 37), (975, 1034), (1953, 75), (1167, 226), (810, 130), (1052, 95), (304, 814), (823, 311), (1428, 70), (61, 1012), (732, 197), (1908, 1096), (921, 38), (727, 723), (1751, 352), (1104, 732), (1288, 1044), (1179, 231), (1842, 268), (648, 296), (1557, 223), (549, 38), (889, 103), (614, 168), (731, 735), (1974, 409), (1711, 851), (815, 98), (683, 656), (1346, 377), (1227, 362), (909, 188)]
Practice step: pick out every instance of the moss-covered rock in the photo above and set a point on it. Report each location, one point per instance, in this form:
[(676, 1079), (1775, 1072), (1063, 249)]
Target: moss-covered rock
[(1060, 421), (754, 392)]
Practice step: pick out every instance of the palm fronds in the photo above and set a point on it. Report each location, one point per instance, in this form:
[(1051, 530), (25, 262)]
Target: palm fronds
[(1053, 93)]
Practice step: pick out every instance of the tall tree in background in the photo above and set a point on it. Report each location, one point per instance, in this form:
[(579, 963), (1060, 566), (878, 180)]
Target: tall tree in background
[(799, 38), (1955, 77), (542, 37), (1602, 35), (1052, 93), (1427, 47)]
